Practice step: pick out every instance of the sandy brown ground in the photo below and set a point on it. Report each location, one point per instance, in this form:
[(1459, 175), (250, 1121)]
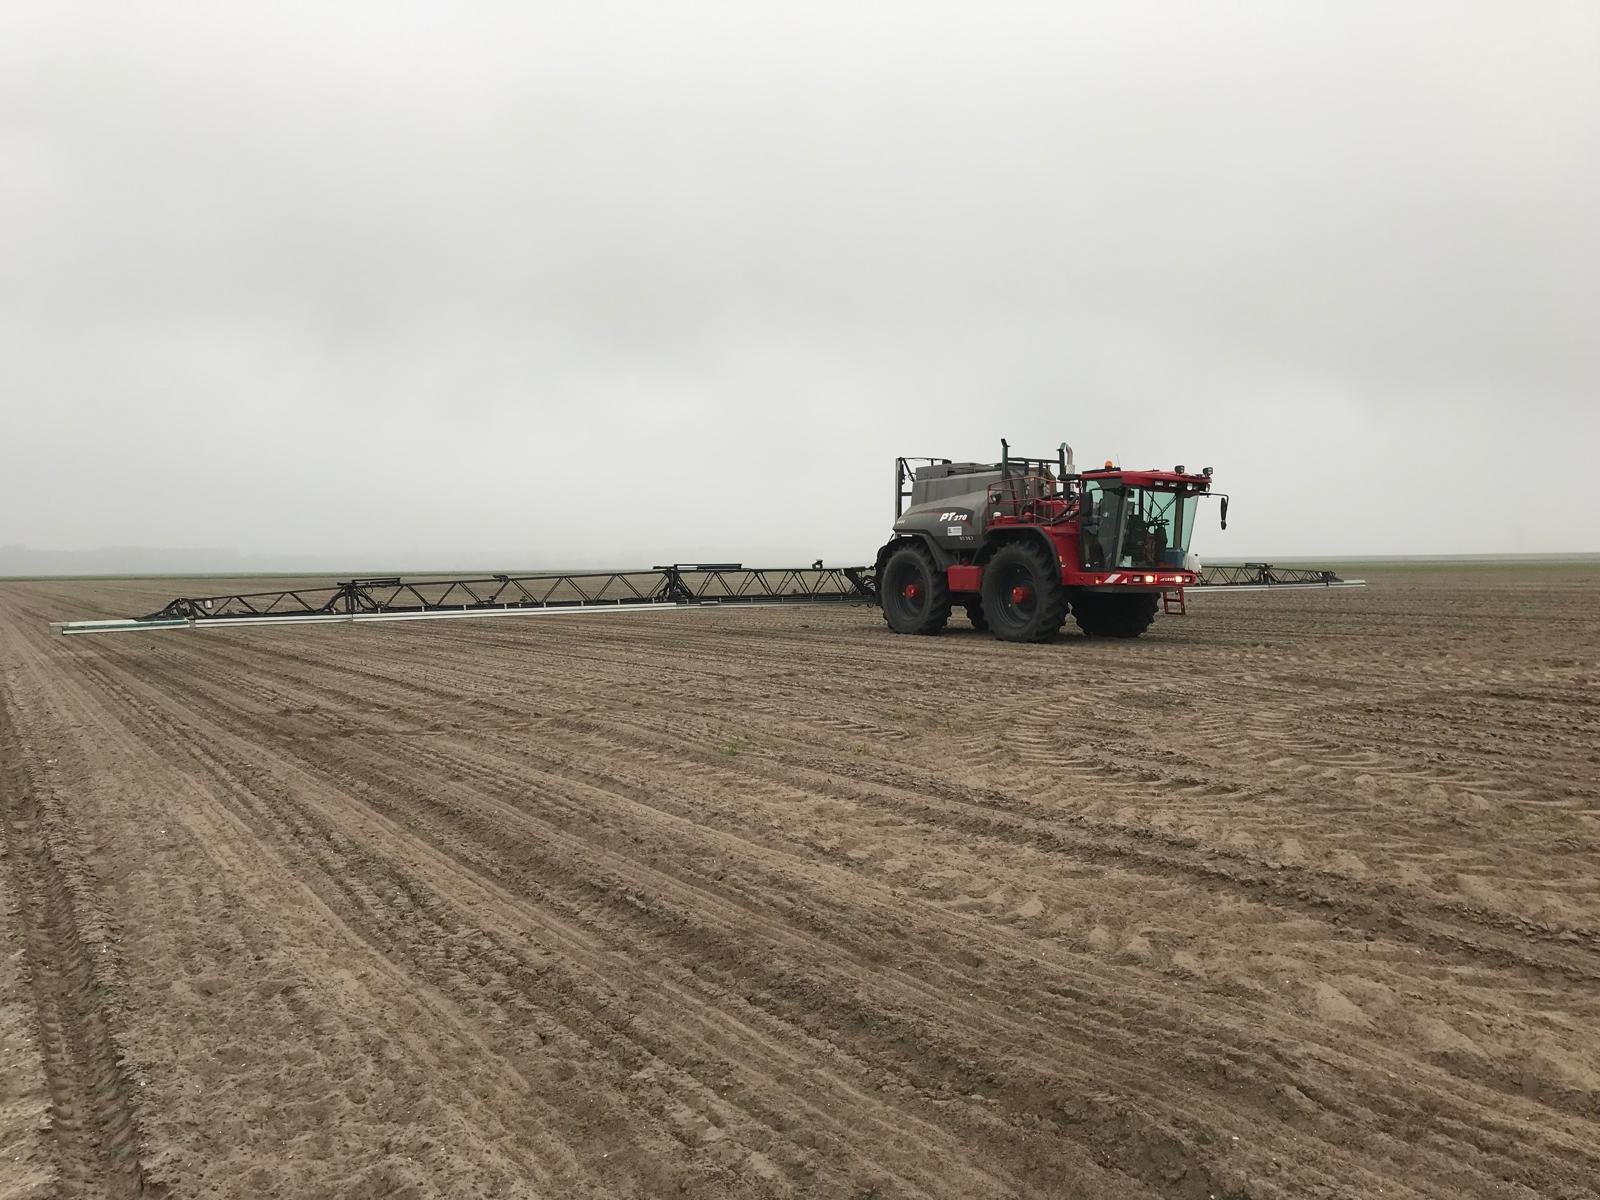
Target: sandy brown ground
[(1297, 897)]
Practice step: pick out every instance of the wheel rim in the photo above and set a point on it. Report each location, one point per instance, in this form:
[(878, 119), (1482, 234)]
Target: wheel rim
[(907, 591), (1018, 596)]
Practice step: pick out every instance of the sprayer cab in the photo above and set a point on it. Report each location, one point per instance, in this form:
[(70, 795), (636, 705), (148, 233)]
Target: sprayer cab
[(1138, 520)]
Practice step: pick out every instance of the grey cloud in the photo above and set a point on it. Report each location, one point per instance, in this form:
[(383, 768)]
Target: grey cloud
[(637, 282)]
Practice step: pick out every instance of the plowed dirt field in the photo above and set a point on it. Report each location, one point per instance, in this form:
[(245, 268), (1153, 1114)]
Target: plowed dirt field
[(1299, 896)]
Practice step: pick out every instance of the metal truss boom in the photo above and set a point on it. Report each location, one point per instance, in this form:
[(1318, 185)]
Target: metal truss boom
[(679, 585), (393, 598)]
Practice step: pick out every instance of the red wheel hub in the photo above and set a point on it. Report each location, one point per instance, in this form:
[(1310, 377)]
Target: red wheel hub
[(1021, 594), (913, 591)]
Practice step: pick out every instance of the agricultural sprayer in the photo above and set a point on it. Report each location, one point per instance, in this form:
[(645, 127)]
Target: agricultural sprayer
[(1019, 544)]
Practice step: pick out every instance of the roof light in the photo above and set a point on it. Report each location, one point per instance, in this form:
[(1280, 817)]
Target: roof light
[(1109, 464)]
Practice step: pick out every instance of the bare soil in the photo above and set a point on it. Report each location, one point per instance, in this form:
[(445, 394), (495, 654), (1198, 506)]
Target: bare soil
[(1298, 896)]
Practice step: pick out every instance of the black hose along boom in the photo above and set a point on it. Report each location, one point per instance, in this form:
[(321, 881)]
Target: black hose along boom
[(680, 585)]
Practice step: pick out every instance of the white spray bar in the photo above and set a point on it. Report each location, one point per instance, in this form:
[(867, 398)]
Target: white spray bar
[(1228, 588)]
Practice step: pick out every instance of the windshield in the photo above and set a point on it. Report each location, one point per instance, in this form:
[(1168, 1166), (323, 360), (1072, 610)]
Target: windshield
[(1142, 528)]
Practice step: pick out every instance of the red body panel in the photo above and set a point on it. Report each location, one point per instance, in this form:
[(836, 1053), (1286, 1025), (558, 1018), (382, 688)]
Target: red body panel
[(968, 577), (1065, 537), (965, 577)]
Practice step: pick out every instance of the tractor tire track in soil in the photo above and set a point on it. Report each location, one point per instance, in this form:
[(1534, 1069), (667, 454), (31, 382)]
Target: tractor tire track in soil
[(92, 1122), (1295, 897)]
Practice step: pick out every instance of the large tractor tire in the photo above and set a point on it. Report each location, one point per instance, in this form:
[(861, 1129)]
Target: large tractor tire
[(975, 615), (1108, 614), (913, 592), (1023, 599)]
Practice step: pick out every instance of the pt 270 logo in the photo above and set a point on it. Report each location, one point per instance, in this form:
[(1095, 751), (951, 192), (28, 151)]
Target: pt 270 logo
[(954, 516)]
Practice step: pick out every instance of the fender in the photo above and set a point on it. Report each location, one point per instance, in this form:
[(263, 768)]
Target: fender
[(995, 538), (915, 537)]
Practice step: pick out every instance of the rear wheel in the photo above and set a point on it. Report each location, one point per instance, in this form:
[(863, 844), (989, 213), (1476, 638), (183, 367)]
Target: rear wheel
[(1023, 599), (1112, 614), (913, 592)]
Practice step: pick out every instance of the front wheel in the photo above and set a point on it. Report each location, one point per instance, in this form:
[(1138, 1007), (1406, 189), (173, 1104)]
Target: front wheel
[(913, 592), (1023, 598), (1113, 614)]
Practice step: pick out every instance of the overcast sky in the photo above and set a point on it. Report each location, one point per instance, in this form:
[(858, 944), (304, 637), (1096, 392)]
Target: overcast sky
[(628, 283)]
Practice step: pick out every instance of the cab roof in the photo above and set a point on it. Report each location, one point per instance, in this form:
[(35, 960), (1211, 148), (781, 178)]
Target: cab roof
[(1154, 479)]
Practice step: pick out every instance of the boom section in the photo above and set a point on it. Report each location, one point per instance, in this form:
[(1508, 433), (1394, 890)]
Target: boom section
[(1263, 576), (394, 598)]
